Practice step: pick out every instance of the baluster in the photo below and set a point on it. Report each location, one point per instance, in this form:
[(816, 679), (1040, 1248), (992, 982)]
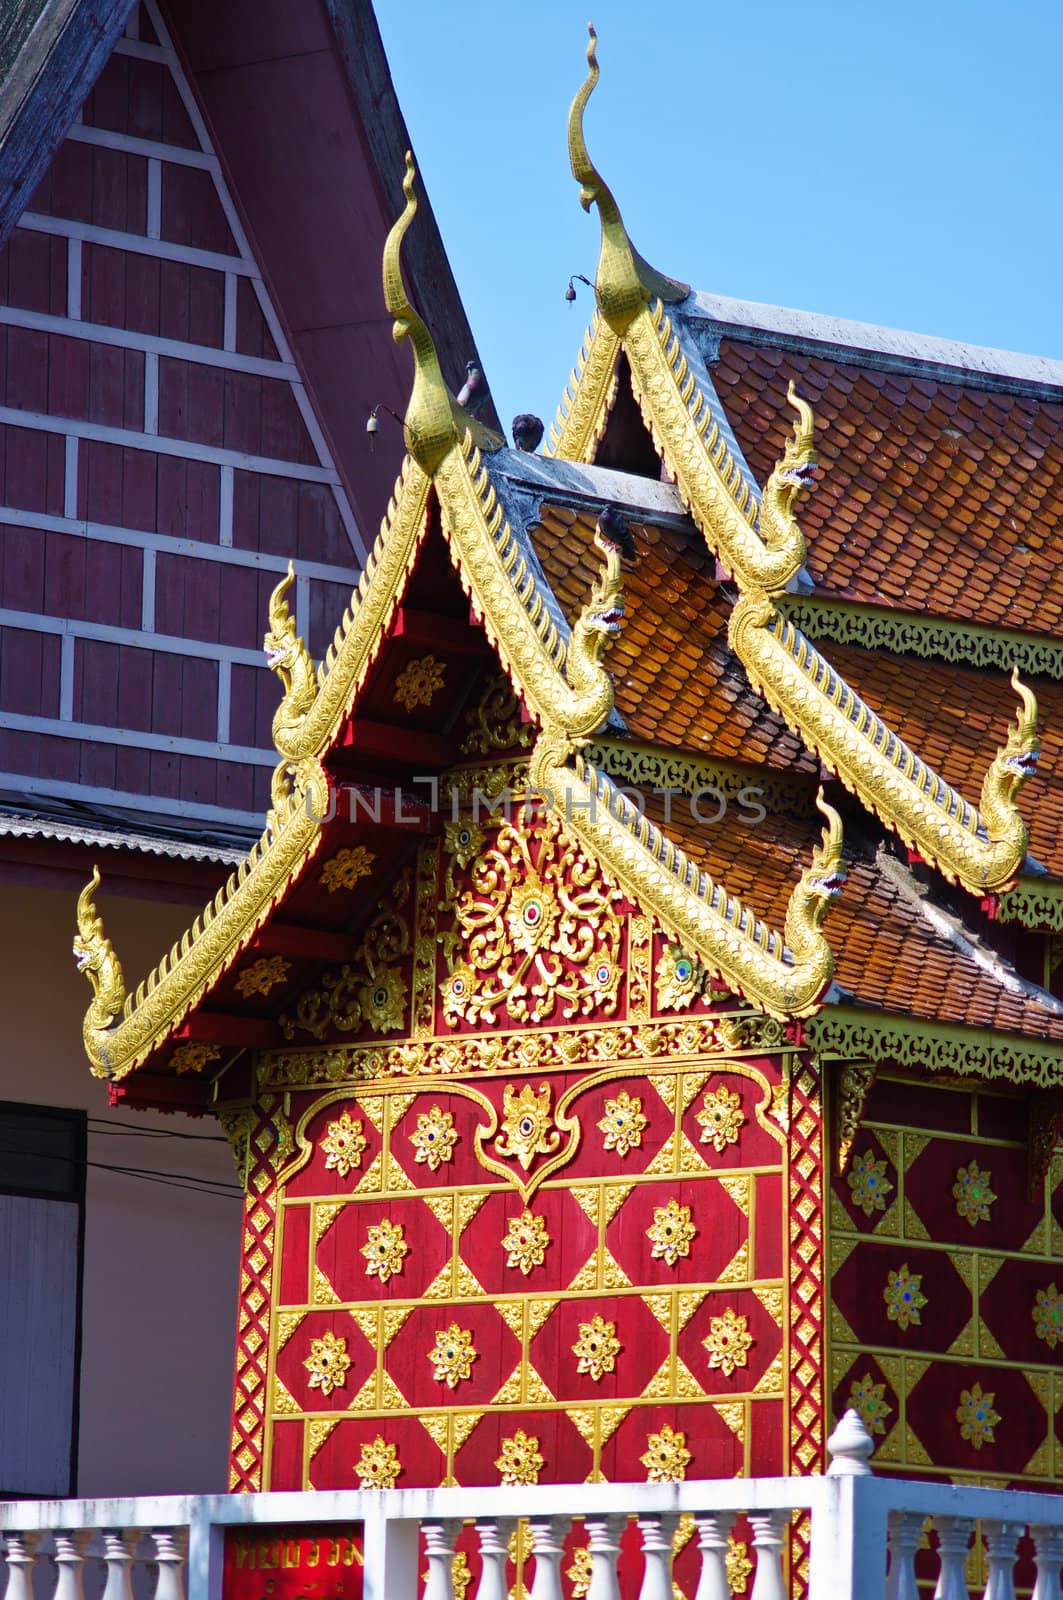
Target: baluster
[(905, 1530), (440, 1539), (657, 1530), (494, 1541), (170, 1555), (548, 1542), (713, 1533), (1048, 1554), (1001, 1542), (119, 1552), (70, 1559), (954, 1536), (21, 1560), (603, 1541), (769, 1528)]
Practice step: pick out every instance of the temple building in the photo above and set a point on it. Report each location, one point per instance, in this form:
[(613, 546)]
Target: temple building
[(638, 1024)]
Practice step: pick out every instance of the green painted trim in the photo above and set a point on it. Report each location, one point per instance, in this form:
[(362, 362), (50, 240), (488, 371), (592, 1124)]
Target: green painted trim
[(965, 644), (852, 1033), (1035, 903)]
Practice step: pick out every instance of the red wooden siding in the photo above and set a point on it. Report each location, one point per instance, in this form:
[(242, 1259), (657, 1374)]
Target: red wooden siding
[(159, 462)]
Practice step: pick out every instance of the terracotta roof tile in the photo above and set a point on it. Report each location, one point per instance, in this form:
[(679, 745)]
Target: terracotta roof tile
[(955, 474), (887, 955), (677, 681)]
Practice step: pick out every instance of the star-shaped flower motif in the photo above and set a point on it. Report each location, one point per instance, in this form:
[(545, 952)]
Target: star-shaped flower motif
[(623, 1123), (453, 1355), (597, 1348), (671, 1233), (327, 1363), (344, 1144), (728, 1341), (666, 1458), (526, 1241)]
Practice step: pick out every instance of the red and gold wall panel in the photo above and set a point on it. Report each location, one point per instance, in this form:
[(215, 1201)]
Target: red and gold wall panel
[(946, 1315), (565, 1224)]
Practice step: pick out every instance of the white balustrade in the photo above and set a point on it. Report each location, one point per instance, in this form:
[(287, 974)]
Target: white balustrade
[(866, 1531)]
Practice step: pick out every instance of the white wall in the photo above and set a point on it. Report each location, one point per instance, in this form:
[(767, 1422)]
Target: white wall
[(161, 1264)]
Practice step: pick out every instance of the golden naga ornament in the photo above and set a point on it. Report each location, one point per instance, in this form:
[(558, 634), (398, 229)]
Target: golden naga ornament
[(527, 1125), (288, 657), (535, 931), (95, 957)]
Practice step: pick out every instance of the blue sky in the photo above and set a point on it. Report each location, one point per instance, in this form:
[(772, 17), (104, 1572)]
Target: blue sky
[(894, 163)]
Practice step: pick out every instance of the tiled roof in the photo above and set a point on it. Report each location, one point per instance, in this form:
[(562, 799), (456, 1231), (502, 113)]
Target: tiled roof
[(887, 954), (956, 717), (677, 680), (933, 495)]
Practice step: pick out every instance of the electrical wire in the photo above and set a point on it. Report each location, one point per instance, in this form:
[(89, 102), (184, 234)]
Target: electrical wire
[(177, 1180), (130, 1130)]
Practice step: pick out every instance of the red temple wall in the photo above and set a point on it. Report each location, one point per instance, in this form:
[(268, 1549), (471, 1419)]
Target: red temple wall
[(946, 1318)]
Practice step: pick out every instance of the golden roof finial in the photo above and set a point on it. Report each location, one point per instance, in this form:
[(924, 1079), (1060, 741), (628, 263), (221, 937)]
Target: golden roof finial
[(434, 420), (624, 280)]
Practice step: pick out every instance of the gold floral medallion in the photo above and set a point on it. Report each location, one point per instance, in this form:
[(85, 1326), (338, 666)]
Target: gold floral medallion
[(721, 1117), (1047, 1316), (193, 1056), (536, 929), (385, 1250), (344, 1145), (452, 1356), (679, 979), (597, 1348), (972, 1193), (434, 1138), (671, 1232), (579, 1573), (378, 1466), (346, 868), (327, 1363), (520, 1462), (527, 1125), (623, 1123), (976, 1416), (737, 1564), (262, 976), (666, 1458), (868, 1183), (728, 1341), (869, 1399), (419, 682), (526, 1241), (904, 1298)]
